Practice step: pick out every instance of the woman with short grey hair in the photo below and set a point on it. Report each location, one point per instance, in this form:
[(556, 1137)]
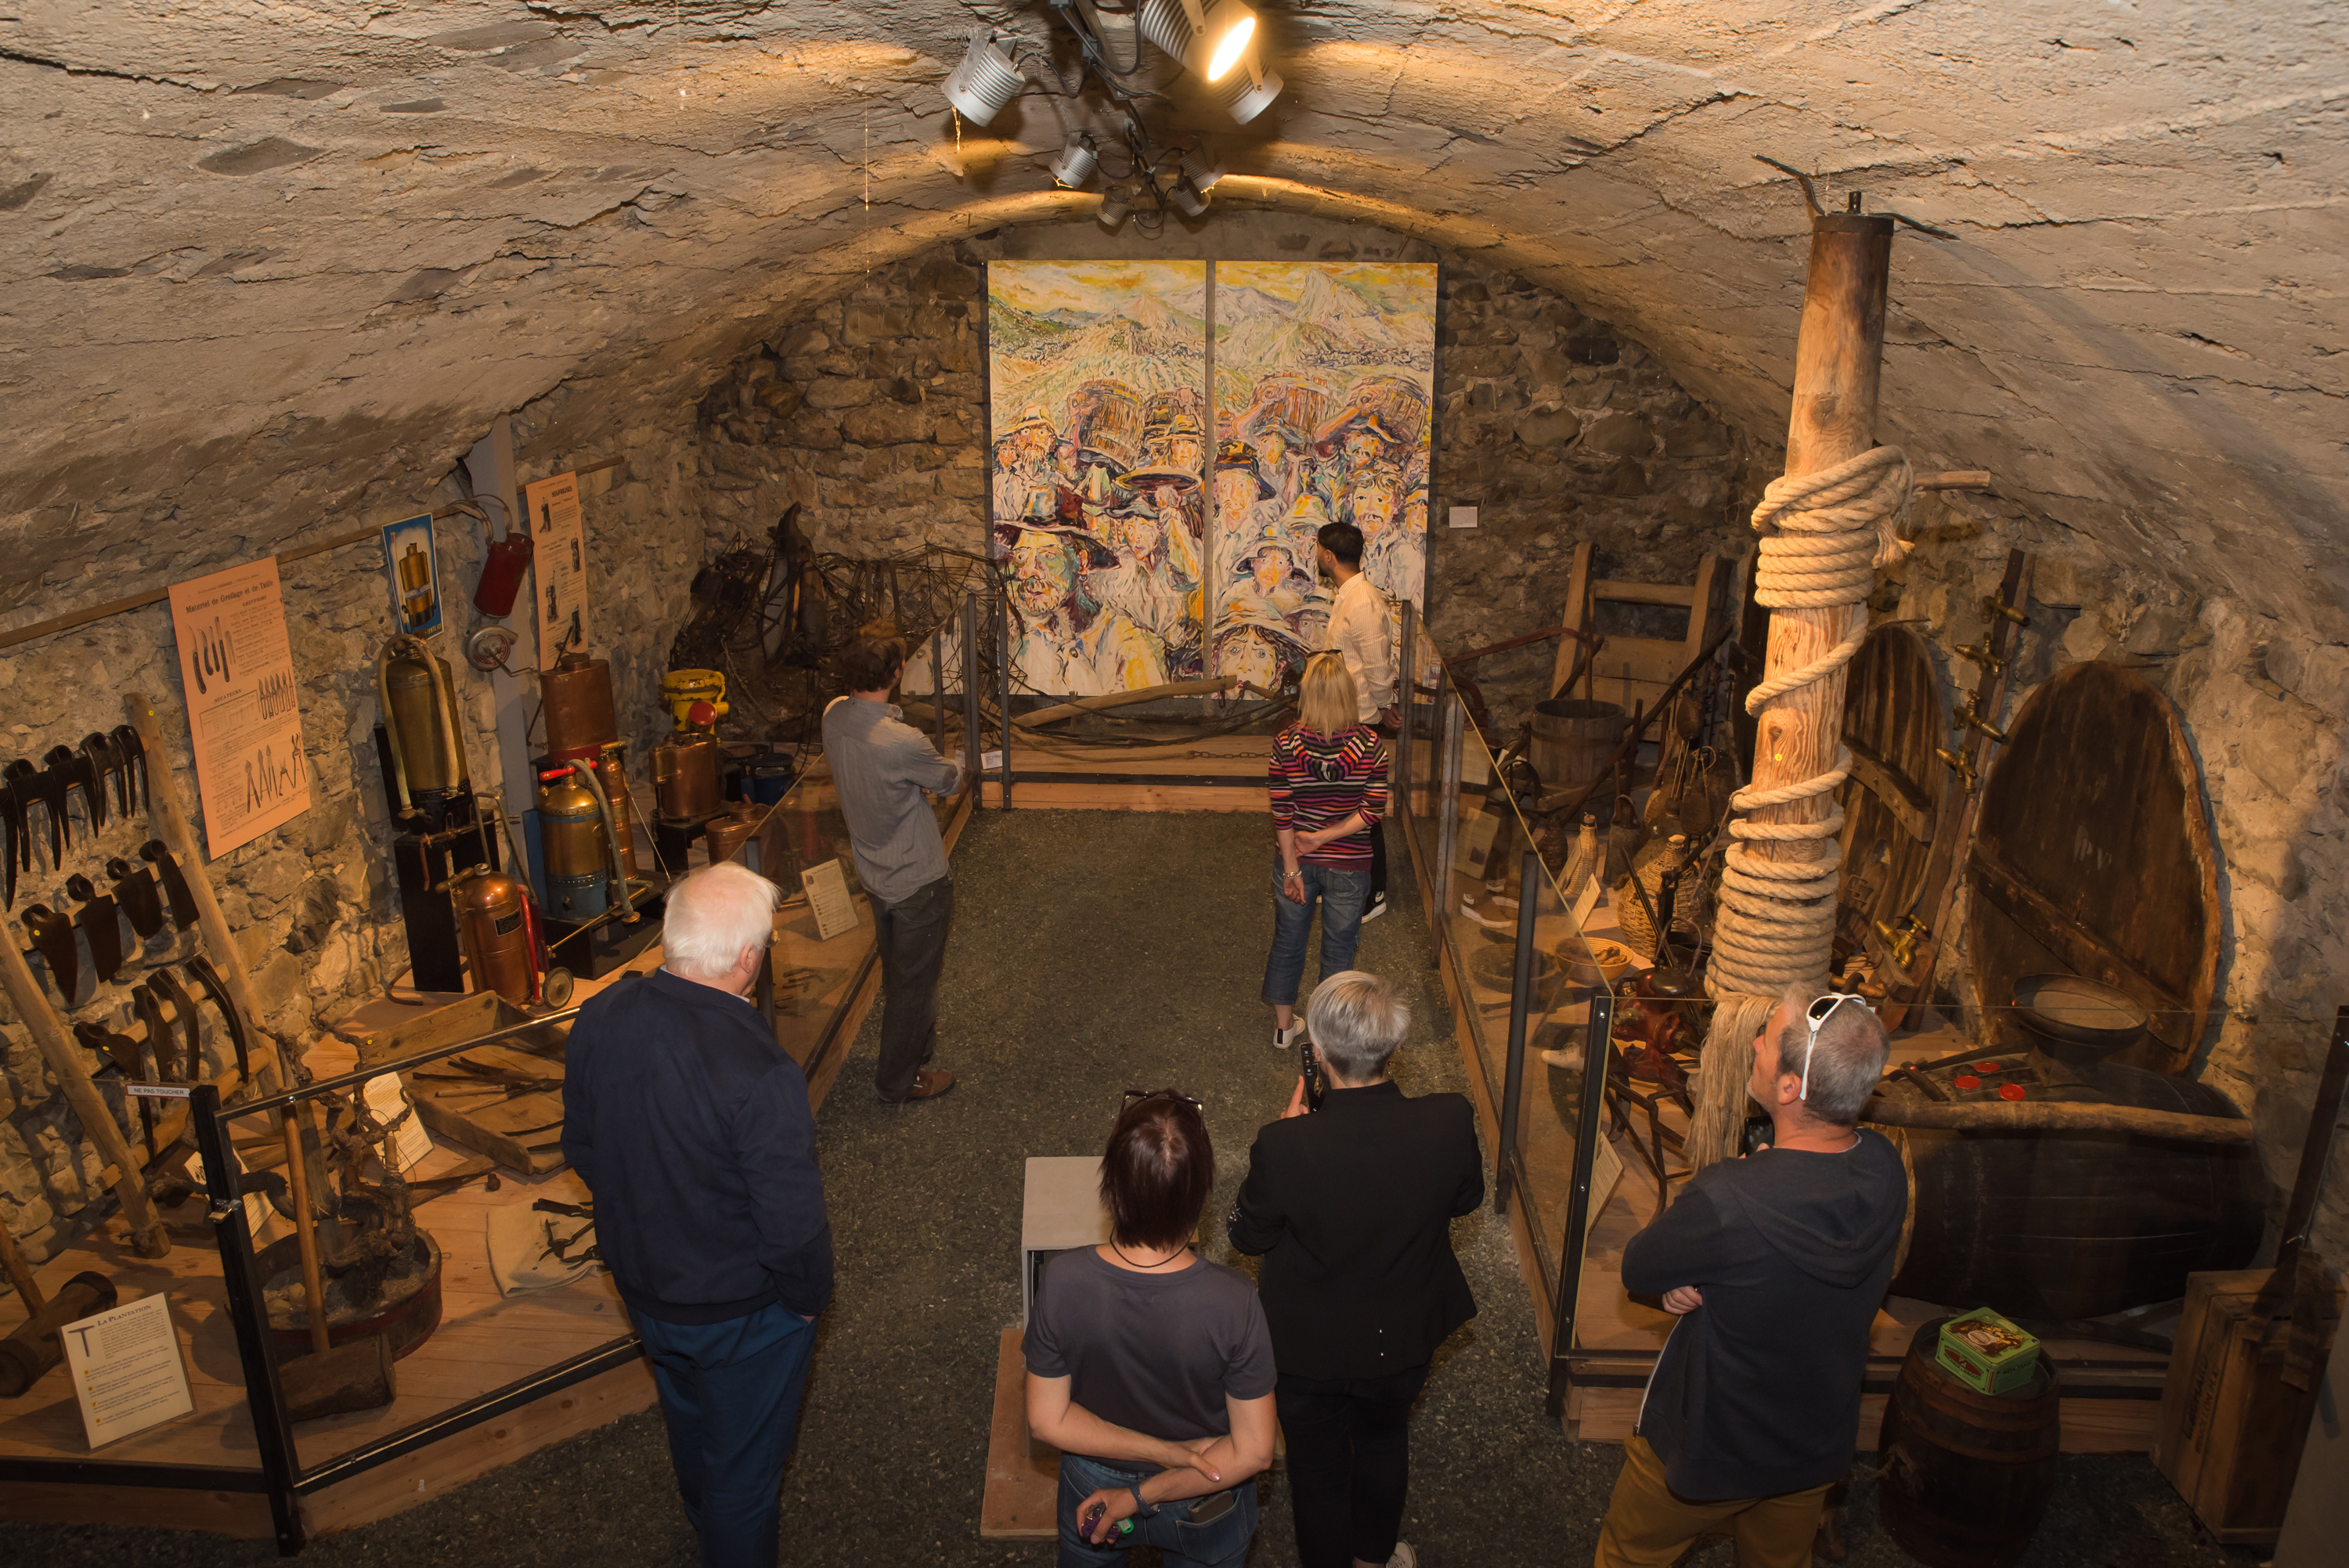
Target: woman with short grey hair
[(1352, 1206)]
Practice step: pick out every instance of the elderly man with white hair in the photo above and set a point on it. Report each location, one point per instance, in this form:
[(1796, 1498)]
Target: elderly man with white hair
[(692, 1127)]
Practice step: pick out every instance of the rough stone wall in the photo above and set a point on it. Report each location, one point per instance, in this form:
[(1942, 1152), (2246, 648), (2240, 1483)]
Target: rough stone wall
[(2263, 709), (316, 903), (868, 410)]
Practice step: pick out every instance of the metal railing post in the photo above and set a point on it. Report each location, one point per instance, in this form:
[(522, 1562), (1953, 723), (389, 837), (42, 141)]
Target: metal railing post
[(1408, 688), (1505, 1163), (1003, 667), (971, 739), (938, 681), (1455, 716), (1568, 1299), (248, 1312)]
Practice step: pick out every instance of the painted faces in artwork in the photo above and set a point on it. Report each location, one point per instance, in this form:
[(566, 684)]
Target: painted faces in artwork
[(1043, 575), (1138, 535), (1267, 567)]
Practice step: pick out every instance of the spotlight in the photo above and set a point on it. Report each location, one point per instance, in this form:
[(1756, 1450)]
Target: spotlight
[(1251, 91), (985, 81), (1076, 163), (1187, 195), (1239, 24), (1115, 203), (1206, 35), (1201, 170)]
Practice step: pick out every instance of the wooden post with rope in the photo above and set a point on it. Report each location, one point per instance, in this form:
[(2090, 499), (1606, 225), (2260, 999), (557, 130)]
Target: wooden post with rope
[(1825, 525)]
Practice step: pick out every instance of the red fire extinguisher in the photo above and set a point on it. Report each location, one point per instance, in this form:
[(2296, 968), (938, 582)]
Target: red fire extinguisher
[(502, 567)]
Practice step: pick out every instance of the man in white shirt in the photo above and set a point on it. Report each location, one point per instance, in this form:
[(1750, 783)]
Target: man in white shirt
[(1358, 631)]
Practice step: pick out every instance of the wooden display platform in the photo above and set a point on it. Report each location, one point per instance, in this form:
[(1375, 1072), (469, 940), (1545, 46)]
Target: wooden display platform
[(1218, 773), (1023, 1476)]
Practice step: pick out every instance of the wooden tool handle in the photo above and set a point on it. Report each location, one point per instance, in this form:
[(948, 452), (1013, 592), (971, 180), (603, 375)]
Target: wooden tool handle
[(306, 1231), (20, 1273)]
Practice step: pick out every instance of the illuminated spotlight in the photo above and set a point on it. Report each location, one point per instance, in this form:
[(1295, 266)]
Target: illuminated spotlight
[(1116, 202), (1209, 37), (1252, 91), (1076, 163), (1187, 197), (985, 81)]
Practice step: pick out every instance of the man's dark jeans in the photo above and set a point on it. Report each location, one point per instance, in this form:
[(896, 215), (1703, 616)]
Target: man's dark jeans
[(913, 939), (1349, 1463), (730, 1394)]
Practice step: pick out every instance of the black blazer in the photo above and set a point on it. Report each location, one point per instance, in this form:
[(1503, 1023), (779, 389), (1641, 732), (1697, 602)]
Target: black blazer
[(1352, 1207)]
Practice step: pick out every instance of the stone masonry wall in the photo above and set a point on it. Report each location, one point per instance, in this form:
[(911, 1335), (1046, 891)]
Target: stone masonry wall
[(316, 903)]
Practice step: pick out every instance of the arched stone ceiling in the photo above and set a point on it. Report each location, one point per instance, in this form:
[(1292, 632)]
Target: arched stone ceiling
[(263, 259)]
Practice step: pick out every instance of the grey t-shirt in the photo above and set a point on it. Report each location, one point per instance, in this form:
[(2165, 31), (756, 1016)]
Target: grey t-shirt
[(1154, 1353), (880, 764)]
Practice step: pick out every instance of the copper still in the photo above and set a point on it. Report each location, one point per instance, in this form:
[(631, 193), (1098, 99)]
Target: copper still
[(612, 773), (575, 842), (419, 699), (494, 925), (578, 696), (684, 777), (729, 832)]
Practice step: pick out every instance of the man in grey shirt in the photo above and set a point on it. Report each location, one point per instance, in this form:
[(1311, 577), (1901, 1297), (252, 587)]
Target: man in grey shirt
[(881, 765)]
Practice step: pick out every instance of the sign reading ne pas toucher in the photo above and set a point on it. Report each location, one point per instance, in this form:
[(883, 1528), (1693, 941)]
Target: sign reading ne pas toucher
[(236, 670), (558, 551)]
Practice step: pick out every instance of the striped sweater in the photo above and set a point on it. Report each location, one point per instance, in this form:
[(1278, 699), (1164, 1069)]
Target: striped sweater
[(1318, 780)]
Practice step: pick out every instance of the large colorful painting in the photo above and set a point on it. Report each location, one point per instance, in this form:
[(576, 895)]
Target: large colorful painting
[(1097, 385), (1325, 377), (1145, 541)]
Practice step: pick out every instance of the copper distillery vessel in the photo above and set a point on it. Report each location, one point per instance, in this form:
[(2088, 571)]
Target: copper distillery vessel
[(572, 845), (729, 832), (612, 772), (419, 701), (493, 926), (578, 696), (684, 777)]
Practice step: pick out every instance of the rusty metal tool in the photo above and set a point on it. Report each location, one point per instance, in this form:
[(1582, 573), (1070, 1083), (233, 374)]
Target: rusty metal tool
[(53, 938), (133, 752), (162, 1052), (124, 1053), (13, 813), (166, 985), (105, 762), (202, 969), (32, 786), (99, 924), (135, 890), (69, 770), (175, 885)]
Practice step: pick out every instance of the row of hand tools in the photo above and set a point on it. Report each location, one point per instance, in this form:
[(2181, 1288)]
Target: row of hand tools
[(119, 759)]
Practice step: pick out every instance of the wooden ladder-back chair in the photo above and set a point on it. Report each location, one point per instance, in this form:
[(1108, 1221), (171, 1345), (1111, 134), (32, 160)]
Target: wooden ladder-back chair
[(1637, 669)]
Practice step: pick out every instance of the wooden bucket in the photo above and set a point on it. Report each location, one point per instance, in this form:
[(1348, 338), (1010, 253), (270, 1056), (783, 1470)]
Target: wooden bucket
[(1573, 741), (1966, 1476)]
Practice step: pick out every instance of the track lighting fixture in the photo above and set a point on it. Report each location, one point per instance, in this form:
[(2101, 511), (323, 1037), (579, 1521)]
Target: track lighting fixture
[(1116, 202), (1075, 166), (985, 81), (1188, 198)]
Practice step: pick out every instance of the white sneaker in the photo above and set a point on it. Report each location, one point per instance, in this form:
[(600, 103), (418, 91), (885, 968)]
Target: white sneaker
[(1404, 1557), (1288, 1038), (1378, 907)]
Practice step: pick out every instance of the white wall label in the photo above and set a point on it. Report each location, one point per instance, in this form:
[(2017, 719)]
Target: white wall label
[(126, 1369), (1463, 517), (827, 891)]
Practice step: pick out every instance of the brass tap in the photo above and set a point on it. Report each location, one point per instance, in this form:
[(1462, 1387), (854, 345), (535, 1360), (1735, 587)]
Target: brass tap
[(1979, 654), (1900, 939), (1965, 769), (1996, 609), (1966, 716)]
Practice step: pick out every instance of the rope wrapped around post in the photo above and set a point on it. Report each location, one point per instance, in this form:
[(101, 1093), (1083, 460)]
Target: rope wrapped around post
[(1824, 535)]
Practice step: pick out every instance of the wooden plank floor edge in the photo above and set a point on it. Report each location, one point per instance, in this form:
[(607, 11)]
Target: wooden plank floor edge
[(1022, 1499)]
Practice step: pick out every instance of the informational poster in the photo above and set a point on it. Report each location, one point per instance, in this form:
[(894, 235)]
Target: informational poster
[(415, 572), (236, 670), (828, 900), (559, 552), (127, 1370)]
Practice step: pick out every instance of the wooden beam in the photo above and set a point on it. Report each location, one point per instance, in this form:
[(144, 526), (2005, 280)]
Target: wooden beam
[(2059, 1116)]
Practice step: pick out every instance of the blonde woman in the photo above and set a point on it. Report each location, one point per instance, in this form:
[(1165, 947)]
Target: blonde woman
[(1328, 779)]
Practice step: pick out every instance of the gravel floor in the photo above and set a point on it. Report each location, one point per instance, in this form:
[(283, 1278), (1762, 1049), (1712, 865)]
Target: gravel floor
[(1092, 953)]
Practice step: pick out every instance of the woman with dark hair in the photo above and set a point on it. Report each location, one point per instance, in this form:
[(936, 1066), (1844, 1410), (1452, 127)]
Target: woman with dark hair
[(1149, 1367), (1329, 786)]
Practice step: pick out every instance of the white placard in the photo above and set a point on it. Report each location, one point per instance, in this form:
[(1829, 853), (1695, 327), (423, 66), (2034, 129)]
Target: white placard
[(1585, 902), (1605, 1170), (990, 762), (387, 1099), (827, 891), (256, 1207), (127, 1370), (1463, 517)]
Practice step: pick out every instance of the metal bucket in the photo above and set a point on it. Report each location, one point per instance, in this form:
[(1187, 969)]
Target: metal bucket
[(1573, 741)]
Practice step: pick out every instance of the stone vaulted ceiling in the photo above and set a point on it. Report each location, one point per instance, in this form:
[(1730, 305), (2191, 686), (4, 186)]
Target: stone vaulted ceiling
[(265, 262)]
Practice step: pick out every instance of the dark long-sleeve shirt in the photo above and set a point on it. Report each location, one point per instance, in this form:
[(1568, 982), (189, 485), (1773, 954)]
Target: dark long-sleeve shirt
[(1757, 1391), (691, 1128), (1317, 780)]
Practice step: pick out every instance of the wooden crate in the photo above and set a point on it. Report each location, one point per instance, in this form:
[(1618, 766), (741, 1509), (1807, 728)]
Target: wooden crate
[(2232, 1429)]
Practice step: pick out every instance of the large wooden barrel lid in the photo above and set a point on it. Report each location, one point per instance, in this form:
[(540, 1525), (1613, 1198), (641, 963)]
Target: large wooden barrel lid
[(1893, 719), (2092, 854)]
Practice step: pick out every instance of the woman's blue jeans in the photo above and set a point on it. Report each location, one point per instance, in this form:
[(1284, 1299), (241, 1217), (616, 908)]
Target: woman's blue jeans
[(1343, 895), (1221, 1541)]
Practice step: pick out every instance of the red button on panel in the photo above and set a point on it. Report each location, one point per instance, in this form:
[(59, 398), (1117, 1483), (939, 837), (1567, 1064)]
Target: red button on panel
[(2010, 1091), (1967, 1080), (1990, 1066)]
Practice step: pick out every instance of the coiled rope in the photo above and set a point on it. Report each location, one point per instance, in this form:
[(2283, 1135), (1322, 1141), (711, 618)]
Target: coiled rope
[(1824, 535)]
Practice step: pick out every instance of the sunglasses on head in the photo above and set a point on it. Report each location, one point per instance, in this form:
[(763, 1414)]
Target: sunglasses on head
[(1815, 1017), (1134, 1096)]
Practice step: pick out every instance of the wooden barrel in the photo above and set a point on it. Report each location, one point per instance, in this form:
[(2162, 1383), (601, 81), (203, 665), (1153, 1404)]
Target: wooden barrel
[(2074, 1225), (1573, 741), (1965, 1476)]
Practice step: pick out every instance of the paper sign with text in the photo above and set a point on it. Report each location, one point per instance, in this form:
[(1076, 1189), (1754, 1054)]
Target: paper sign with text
[(387, 1101), (127, 1370), (558, 551), (827, 891), (236, 671)]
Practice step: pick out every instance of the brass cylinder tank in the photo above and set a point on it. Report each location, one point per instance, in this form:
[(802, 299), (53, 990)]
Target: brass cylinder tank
[(578, 697), (494, 928), (729, 833), (612, 772), (684, 777), (419, 698), (571, 844)]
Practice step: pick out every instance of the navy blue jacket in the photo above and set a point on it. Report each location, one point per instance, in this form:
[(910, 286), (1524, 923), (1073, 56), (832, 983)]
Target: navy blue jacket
[(692, 1129)]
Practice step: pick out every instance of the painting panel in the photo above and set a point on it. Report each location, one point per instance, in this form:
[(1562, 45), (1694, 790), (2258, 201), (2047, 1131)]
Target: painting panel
[(1097, 515), (1325, 382)]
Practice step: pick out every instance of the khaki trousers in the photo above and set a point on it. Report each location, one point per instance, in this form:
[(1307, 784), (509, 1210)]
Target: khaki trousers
[(1649, 1527)]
